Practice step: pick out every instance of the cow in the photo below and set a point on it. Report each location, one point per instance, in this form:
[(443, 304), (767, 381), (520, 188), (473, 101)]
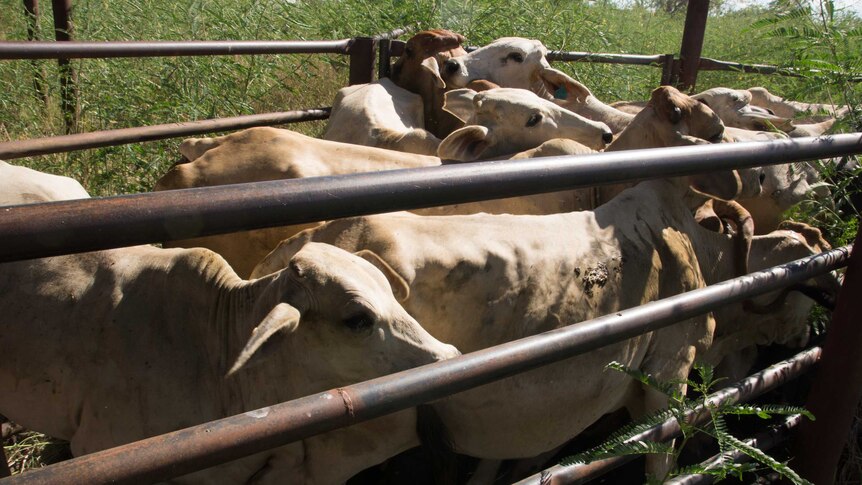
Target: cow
[(734, 108), (802, 112), (108, 347), (380, 114), (259, 154)]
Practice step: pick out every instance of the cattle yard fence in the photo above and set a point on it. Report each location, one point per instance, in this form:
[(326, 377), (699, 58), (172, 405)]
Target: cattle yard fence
[(40, 230), (363, 53)]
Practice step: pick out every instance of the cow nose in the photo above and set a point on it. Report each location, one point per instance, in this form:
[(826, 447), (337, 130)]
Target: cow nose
[(451, 66), (607, 137)]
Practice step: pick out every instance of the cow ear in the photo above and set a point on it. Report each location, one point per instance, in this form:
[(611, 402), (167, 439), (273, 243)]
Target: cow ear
[(464, 144), (399, 285), (561, 86), (724, 185), (433, 69), (459, 102), (280, 321)]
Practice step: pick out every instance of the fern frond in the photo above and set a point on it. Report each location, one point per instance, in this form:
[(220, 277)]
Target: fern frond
[(765, 411), (767, 460), (795, 14), (624, 449), (633, 429), (670, 389)]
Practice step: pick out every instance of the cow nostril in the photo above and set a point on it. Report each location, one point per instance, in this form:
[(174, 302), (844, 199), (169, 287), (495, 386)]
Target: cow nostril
[(451, 66), (762, 178), (607, 137)]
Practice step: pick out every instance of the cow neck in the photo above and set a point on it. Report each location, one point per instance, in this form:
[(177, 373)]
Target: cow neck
[(596, 110)]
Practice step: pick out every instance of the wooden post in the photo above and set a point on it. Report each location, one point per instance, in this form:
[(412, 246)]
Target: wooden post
[(692, 42), (31, 10), (384, 66), (837, 386), (68, 79)]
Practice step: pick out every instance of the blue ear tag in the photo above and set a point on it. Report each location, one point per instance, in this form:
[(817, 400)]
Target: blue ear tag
[(561, 93)]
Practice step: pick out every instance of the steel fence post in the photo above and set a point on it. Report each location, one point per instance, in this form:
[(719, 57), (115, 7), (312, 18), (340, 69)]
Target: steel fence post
[(361, 60), (837, 385), (385, 58), (692, 42)]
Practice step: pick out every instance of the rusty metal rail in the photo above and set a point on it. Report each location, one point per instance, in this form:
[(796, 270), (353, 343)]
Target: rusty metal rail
[(48, 229), (747, 389), (94, 50), (191, 449), (57, 144), (571, 56)]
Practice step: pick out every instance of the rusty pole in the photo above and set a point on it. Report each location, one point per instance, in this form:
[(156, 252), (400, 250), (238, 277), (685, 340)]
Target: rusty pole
[(837, 388), (692, 42), (68, 78), (361, 52)]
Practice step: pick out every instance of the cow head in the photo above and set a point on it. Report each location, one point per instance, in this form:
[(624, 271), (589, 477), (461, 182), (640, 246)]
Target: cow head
[(337, 313), (505, 120), (734, 108), (511, 62), (418, 71)]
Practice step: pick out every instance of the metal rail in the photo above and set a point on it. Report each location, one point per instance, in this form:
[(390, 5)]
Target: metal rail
[(570, 56), (191, 449), (57, 144), (101, 50), (745, 390), (39, 230)]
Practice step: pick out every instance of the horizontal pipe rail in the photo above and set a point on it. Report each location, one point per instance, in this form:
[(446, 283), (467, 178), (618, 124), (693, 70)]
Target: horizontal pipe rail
[(565, 56), (198, 447), (100, 50), (95, 139), (745, 390), (39, 230), (763, 441), (707, 64)]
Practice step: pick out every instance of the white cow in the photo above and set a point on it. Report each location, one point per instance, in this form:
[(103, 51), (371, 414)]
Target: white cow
[(36, 186), (380, 114), (108, 347), (804, 112), (734, 108), (510, 62), (481, 280)]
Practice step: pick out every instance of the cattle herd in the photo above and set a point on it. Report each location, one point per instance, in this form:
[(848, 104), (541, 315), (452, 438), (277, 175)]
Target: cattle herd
[(109, 347)]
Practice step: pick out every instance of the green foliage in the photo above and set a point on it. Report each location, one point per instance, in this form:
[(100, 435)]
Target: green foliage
[(630, 439)]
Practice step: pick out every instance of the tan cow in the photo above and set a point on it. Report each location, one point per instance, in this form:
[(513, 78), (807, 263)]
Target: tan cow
[(260, 154), (734, 108), (802, 112), (380, 114), (483, 279), (108, 347)]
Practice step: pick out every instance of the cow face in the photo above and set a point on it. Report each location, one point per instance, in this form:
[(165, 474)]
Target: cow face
[(503, 120), (510, 62), (341, 321), (734, 108)]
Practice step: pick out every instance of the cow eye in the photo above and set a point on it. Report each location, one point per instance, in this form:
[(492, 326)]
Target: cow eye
[(359, 322), (534, 119), (408, 51), (516, 56)]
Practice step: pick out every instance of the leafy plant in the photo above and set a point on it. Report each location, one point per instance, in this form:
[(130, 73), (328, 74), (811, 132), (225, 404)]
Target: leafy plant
[(684, 410)]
